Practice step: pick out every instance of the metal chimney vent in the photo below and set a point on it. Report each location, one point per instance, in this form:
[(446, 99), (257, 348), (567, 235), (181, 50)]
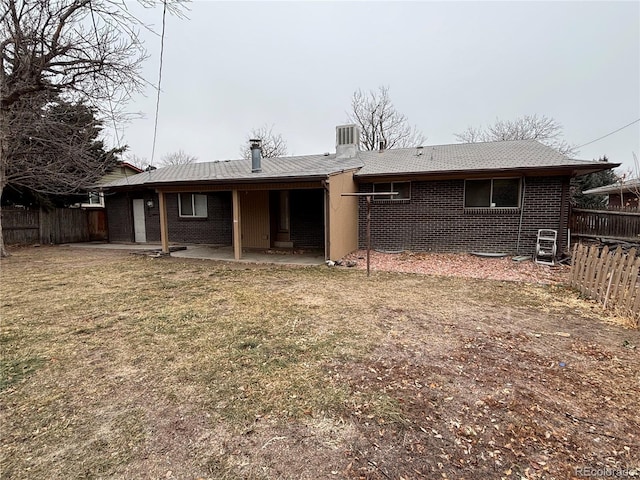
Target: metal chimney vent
[(256, 155)]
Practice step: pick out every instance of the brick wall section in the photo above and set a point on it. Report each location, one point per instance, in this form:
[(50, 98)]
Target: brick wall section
[(216, 229), (435, 219), (119, 217), (307, 218), (152, 217), (119, 208)]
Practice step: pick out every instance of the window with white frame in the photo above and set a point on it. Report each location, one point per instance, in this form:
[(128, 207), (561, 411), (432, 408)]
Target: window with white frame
[(402, 188), (492, 193), (192, 205), (93, 199)]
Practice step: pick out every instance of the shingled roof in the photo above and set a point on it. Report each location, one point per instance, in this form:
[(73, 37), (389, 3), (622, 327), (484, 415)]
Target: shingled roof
[(281, 168), (437, 159), (471, 157), (632, 186)]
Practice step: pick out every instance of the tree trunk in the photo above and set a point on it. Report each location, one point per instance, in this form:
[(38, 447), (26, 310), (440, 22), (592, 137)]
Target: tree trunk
[(3, 250), (3, 178)]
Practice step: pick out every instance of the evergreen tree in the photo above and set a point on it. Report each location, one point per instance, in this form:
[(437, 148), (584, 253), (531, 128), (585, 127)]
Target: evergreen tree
[(589, 181)]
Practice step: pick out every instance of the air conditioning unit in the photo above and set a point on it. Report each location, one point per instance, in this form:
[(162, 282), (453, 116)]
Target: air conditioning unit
[(347, 141), (346, 135)]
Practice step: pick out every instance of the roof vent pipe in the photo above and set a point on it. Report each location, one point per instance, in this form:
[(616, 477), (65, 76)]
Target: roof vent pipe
[(256, 155), (382, 145)]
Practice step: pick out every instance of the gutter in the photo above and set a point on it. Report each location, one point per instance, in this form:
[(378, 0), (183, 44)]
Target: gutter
[(561, 169), (204, 183)]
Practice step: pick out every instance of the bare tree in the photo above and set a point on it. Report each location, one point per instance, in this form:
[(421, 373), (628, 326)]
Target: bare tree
[(177, 158), (76, 49), (529, 127), (273, 144), (380, 122)]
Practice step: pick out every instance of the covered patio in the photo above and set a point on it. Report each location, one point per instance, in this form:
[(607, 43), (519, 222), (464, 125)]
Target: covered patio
[(218, 253)]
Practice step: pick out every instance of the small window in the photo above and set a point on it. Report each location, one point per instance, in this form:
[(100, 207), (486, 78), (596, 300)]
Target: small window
[(93, 199), (492, 193), (403, 190), (192, 205)]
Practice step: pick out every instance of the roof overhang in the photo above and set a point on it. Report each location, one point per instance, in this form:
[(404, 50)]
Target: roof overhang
[(613, 189), (310, 181), (563, 170)]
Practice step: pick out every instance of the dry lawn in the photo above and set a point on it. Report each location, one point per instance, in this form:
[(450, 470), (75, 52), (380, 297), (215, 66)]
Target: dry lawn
[(121, 366)]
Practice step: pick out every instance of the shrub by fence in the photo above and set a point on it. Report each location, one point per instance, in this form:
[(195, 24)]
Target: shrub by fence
[(611, 278)]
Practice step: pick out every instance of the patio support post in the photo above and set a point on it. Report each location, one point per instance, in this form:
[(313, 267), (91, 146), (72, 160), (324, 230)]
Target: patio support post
[(237, 241), (164, 231), (368, 234)]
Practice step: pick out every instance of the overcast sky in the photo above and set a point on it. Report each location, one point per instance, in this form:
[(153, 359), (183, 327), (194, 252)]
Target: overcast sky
[(295, 65)]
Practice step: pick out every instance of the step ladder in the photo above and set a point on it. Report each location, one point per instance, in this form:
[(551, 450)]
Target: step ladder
[(546, 247)]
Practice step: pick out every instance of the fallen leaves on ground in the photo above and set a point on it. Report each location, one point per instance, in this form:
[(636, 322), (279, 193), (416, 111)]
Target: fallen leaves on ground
[(461, 265)]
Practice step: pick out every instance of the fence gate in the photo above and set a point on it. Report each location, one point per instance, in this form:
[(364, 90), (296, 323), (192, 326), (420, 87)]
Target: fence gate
[(97, 225)]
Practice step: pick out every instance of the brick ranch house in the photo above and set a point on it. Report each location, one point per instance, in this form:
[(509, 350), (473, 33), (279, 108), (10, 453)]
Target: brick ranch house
[(489, 197)]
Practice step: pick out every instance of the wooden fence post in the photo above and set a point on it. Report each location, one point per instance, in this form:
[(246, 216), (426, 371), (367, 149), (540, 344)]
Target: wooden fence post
[(618, 269), (634, 287), (600, 271), (574, 266)]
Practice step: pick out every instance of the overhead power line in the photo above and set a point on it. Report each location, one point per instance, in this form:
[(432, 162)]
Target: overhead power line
[(155, 126), (608, 134)]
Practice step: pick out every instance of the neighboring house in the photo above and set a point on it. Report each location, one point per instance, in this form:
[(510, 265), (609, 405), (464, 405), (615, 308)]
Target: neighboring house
[(489, 197), (95, 199), (622, 194)]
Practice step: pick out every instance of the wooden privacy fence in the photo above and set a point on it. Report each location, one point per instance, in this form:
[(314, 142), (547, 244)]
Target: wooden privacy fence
[(611, 278), (20, 226), (624, 225), (61, 225)]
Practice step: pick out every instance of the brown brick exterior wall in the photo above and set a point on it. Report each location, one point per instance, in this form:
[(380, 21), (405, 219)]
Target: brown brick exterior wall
[(216, 229), (434, 219), (152, 217), (119, 217)]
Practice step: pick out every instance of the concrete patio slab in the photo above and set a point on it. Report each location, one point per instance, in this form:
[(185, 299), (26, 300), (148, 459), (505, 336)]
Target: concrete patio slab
[(212, 252)]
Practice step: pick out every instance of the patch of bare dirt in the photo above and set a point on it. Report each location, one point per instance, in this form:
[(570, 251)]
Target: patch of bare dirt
[(495, 401), (461, 265)]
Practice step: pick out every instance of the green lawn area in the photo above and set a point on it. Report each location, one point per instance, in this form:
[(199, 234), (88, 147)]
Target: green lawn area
[(124, 366)]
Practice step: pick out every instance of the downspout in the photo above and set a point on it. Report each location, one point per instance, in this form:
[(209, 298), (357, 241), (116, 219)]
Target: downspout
[(524, 187), (564, 219), (327, 220)]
